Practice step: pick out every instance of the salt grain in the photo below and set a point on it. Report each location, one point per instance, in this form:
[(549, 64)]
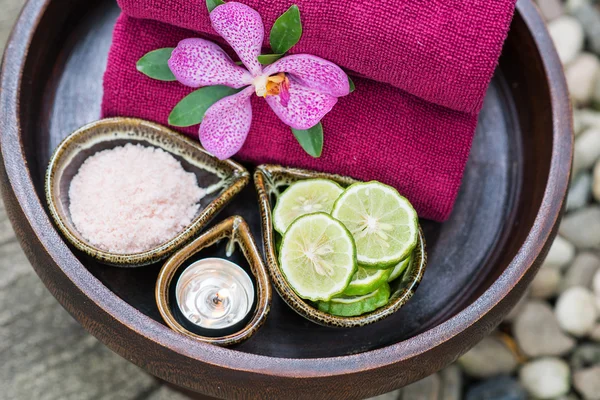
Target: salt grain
[(132, 198)]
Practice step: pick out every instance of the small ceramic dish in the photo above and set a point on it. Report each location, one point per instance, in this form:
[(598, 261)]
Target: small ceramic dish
[(222, 180), (236, 231), (270, 180)]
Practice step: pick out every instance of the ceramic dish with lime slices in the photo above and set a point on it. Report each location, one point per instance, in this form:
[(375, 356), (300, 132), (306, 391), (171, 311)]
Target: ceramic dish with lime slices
[(373, 292)]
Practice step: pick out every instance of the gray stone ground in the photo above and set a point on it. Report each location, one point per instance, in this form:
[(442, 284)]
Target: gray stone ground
[(44, 353)]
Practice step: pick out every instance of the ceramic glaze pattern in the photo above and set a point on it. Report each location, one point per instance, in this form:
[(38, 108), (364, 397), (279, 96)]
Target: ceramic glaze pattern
[(269, 181), (228, 179)]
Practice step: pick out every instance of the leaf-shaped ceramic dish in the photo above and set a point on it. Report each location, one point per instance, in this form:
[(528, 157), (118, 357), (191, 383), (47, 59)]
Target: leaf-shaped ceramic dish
[(270, 180), (236, 231), (222, 180)]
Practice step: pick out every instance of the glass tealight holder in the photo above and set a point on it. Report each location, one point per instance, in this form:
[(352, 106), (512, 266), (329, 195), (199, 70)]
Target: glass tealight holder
[(212, 299)]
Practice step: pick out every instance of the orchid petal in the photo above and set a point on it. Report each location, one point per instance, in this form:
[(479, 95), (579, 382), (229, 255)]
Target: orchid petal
[(243, 29), (226, 124), (313, 72), (305, 106), (198, 62)]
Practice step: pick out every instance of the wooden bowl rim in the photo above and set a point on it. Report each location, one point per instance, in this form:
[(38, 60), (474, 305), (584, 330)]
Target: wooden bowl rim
[(21, 187)]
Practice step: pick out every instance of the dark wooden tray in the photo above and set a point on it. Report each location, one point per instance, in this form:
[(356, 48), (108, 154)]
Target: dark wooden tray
[(480, 261)]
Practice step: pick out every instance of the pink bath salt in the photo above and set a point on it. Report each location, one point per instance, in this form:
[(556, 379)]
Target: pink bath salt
[(132, 198)]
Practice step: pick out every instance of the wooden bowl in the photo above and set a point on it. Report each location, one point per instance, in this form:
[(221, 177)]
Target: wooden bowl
[(223, 180), (270, 180), (479, 262)]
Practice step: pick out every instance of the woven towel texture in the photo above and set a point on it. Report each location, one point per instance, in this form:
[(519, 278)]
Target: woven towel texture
[(424, 67)]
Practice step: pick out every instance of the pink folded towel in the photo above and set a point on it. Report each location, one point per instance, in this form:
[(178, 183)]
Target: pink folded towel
[(423, 68)]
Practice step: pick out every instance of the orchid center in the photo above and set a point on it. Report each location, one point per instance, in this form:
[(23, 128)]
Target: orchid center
[(271, 85)]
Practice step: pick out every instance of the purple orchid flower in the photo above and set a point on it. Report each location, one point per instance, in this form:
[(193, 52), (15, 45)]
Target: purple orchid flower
[(300, 88)]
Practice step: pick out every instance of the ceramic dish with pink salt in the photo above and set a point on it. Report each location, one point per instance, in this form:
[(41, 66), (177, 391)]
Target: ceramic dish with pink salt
[(130, 193)]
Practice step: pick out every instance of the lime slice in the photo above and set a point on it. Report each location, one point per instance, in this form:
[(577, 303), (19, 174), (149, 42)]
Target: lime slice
[(350, 306), (304, 197), (366, 280), (317, 257), (383, 223), (399, 269)]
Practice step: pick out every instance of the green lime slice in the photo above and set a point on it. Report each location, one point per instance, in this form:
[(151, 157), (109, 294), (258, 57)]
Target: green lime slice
[(399, 269), (350, 306), (317, 257), (383, 223), (304, 197), (366, 280)]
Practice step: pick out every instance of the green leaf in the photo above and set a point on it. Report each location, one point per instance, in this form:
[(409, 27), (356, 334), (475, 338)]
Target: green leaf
[(311, 139), (266, 59), (212, 4), (351, 84), (286, 30), (190, 110), (154, 64)]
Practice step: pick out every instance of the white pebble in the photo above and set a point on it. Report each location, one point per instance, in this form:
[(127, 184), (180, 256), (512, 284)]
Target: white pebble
[(545, 284), (579, 191), (595, 334), (585, 118), (576, 311), (567, 35), (572, 5), (582, 75), (596, 284), (561, 253), (587, 149), (546, 378), (596, 182)]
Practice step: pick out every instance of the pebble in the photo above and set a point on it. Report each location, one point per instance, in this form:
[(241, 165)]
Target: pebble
[(585, 356), (582, 227), (589, 18), (452, 383), (581, 272), (596, 182), (582, 75), (560, 254), (545, 284), (514, 313), (551, 9), (546, 378), (587, 382), (499, 388), (595, 333), (576, 311), (395, 395), (596, 284), (488, 358), (580, 191), (537, 331), (586, 118), (570, 396), (425, 389), (572, 5), (587, 150), (567, 35)]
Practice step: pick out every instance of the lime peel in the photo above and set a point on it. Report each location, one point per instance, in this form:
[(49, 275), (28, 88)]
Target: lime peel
[(350, 306)]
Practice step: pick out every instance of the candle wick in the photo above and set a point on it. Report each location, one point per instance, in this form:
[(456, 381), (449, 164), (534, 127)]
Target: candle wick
[(216, 299)]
